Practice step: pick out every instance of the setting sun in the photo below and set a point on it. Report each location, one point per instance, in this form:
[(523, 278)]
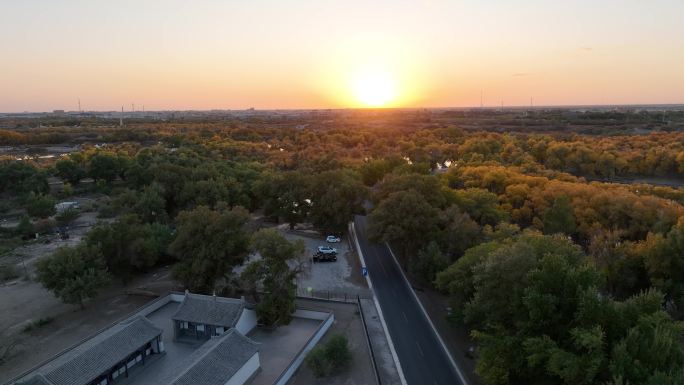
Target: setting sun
[(374, 88)]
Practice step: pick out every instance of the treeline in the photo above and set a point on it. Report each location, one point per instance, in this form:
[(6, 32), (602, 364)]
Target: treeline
[(559, 281)]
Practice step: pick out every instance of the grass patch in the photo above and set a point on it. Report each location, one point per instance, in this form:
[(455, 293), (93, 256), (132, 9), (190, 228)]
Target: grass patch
[(8, 273), (37, 324)]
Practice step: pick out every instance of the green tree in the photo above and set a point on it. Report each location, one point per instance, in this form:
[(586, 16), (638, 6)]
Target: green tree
[(663, 258), (404, 219), (336, 196), (73, 274), (150, 204), (69, 171), (208, 244), (650, 352), (274, 275), (480, 204), (128, 245), (560, 217), (103, 167), (459, 232), (427, 263), (286, 195), (538, 317), (428, 186), (40, 206), (21, 178)]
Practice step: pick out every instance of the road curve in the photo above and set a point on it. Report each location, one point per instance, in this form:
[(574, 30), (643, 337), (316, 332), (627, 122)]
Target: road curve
[(422, 358)]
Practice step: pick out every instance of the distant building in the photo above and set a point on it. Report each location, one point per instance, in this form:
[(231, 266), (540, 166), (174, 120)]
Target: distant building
[(65, 206)]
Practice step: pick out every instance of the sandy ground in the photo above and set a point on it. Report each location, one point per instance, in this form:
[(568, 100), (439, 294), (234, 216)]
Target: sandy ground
[(25, 301), (348, 323), (26, 255)]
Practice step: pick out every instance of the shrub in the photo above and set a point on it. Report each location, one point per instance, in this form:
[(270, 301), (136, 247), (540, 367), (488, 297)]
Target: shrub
[(317, 362), (44, 226), (37, 324), (25, 228), (337, 352), (66, 217), (330, 358), (7, 273), (40, 206)]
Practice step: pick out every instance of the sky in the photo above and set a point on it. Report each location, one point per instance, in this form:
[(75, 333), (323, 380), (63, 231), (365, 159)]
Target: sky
[(202, 54)]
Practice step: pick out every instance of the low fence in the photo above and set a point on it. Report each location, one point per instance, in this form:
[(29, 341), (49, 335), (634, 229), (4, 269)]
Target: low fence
[(301, 355), (331, 295), (368, 341)]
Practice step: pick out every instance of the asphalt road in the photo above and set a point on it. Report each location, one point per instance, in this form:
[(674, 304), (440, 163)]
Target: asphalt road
[(422, 358)]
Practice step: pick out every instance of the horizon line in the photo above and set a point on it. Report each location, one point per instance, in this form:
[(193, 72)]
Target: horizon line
[(473, 107)]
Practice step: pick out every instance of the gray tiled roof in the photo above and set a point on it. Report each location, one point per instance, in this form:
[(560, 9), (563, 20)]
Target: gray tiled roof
[(38, 379), (217, 360), (209, 310), (97, 355)]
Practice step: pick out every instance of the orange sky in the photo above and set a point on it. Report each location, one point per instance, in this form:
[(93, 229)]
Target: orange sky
[(311, 54)]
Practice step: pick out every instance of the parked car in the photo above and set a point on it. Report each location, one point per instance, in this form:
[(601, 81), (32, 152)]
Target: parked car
[(321, 257), (327, 250), (332, 239)]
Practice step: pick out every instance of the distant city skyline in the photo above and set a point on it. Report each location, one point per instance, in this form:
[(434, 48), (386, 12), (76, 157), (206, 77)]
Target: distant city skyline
[(204, 55)]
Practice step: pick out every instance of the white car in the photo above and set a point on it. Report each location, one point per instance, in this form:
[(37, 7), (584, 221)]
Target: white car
[(332, 239), (327, 250)]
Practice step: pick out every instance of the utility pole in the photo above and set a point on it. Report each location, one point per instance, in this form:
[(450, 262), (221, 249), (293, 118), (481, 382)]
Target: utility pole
[(121, 118), (79, 105)]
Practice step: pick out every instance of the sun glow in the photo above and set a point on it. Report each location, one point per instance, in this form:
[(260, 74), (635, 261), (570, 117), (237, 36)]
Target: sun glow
[(374, 88)]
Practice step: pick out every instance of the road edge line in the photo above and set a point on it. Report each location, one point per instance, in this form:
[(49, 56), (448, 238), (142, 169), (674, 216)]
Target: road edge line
[(434, 329), (395, 357)]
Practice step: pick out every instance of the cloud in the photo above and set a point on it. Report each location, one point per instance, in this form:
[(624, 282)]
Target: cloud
[(586, 49)]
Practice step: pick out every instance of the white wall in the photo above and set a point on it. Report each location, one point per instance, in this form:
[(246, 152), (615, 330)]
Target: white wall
[(247, 321), (310, 314), (285, 377), (177, 297), (246, 371)]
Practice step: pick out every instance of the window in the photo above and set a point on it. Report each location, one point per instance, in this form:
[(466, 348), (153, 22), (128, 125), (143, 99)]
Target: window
[(200, 328), (103, 382), (219, 330), (138, 358), (183, 325)]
